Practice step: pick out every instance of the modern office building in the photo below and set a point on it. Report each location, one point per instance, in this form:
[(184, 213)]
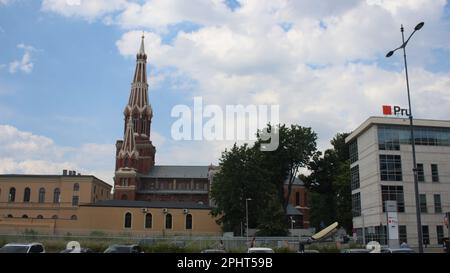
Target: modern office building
[(382, 169)]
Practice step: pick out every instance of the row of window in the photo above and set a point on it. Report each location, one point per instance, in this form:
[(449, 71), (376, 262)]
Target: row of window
[(170, 186), (148, 221), (391, 169), (390, 137), (41, 197), (378, 233), (395, 193), (25, 216)]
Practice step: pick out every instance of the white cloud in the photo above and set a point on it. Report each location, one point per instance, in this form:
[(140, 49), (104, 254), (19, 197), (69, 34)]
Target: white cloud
[(322, 61), (25, 152), (89, 9), (24, 64)]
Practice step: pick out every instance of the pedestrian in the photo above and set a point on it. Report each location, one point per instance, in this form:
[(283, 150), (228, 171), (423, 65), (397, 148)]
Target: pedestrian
[(253, 244)]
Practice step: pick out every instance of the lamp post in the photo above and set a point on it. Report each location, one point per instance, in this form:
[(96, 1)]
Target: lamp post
[(246, 215), (416, 184)]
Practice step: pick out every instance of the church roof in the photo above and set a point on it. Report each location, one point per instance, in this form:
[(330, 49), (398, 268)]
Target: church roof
[(147, 204), (178, 172), (297, 181)]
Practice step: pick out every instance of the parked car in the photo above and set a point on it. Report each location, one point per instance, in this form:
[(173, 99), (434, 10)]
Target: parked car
[(260, 250), (357, 250), (124, 249), (23, 248), (214, 251), (397, 250)]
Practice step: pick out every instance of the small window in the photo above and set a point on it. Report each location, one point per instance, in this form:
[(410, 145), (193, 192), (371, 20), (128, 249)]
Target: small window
[(41, 195), (148, 220), (168, 221), (128, 219), (10, 216), (76, 187), (297, 199), (434, 173), (24, 216), (188, 221), (437, 203), (420, 173), (423, 203), (75, 200), (12, 195), (73, 217), (40, 217), (26, 195), (56, 196)]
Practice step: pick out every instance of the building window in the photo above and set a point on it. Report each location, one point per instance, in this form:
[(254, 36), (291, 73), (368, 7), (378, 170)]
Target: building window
[(55, 217), (76, 187), (434, 173), (188, 221), (75, 200), (437, 203), (10, 216), (74, 217), (124, 182), (356, 204), (388, 138), (420, 173), (24, 216), (297, 199), (354, 175), (26, 195), (168, 221), (393, 193), (391, 168), (403, 235), (127, 220), (12, 195), (124, 197), (56, 196), (440, 234), (148, 220), (353, 150), (426, 235), (40, 217), (41, 195), (423, 203)]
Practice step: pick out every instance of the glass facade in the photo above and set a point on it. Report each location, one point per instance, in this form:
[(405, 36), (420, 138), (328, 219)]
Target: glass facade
[(393, 193), (356, 204), (391, 136), (353, 150), (391, 168), (354, 174)]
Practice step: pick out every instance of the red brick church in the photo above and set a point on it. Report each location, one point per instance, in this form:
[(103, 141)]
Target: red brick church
[(136, 175)]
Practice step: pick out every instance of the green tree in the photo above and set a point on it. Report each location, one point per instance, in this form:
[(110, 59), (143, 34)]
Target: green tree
[(329, 183)]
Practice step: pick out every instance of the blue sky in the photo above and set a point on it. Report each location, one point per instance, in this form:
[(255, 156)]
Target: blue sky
[(66, 69)]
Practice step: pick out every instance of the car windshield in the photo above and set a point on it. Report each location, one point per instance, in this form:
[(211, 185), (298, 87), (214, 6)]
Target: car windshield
[(118, 249), (261, 251), (14, 249)]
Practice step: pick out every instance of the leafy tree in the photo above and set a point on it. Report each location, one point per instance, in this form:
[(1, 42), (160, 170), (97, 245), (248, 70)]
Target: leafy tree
[(329, 183)]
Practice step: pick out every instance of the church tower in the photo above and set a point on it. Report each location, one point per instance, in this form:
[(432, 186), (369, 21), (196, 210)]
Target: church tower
[(135, 155)]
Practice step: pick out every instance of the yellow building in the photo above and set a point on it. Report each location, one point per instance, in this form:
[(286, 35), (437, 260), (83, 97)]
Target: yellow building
[(81, 204)]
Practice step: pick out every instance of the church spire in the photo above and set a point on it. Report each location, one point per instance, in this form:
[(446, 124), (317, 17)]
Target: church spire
[(129, 144), (142, 49)]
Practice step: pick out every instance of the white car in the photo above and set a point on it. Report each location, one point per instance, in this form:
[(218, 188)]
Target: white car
[(260, 250), (23, 248)]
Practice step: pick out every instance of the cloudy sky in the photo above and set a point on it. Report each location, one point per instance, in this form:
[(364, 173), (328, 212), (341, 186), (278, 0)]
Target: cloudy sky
[(66, 68)]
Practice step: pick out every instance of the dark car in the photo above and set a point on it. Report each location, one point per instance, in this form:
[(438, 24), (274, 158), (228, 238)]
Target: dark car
[(124, 249), (23, 248), (397, 250), (214, 251)]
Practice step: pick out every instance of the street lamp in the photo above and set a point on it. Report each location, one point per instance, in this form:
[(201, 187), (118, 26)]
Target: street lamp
[(416, 184), (246, 215)]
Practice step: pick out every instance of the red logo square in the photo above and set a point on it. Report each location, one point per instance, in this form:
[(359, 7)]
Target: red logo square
[(387, 110)]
